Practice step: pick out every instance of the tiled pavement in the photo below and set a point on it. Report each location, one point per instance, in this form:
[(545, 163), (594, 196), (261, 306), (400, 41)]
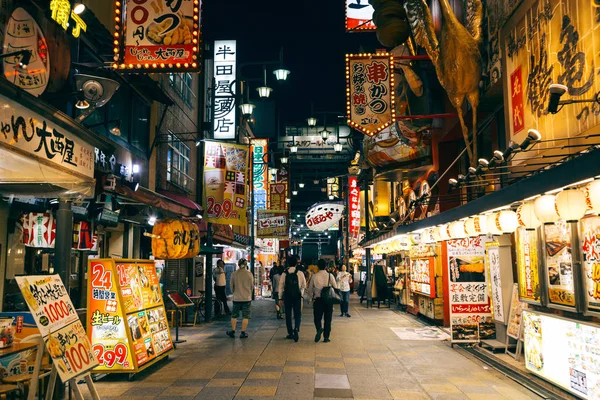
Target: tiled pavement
[(365, 360)]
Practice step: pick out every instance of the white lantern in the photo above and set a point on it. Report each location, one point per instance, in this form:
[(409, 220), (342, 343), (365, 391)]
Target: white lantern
[(592, 196), (311, 121), (571, 204), (506, 221), (435, 234), (415, 238), (526, 217), (247, 108), (545, 209), (443, 232), (457, 230), (470, 227), (281, 74), (481, 226), (492, 227), (264, 91)]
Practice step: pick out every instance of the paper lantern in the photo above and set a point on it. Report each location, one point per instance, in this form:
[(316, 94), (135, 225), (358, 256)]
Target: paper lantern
[(571, 204), (415, 238), (526, 217), (381, 198), (481, 226), (435, 235), (457, 230), (470, 227), (545, 209), (492, 227), (443, 232), (506, 221), (592, 196)]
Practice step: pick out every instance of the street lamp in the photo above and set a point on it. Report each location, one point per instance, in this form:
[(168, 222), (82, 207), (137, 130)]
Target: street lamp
[(284, 160), (294, 192), (247, 109), (312, 121), (264, 91), (294, 149), (338, 147), (325, 134), (281, 74), (301, 185)]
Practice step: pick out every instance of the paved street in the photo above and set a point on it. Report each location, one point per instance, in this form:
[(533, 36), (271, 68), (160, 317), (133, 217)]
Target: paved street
[(365, 360)]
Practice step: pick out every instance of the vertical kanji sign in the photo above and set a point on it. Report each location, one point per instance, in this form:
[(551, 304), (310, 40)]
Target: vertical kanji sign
[(354, 206), (516, 95), (59, 325), (224, 122), (260, 170), (370, 89), (157, 35)]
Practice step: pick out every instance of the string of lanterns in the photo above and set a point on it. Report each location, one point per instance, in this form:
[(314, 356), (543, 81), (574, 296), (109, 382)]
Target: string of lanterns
[(570, 204)]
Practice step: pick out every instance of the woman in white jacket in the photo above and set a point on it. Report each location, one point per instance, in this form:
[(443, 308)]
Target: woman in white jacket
[(344, 279)]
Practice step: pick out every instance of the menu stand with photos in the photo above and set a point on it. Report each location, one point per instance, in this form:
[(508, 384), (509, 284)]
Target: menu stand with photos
[(181, 302), (62, 333), (126, 318), (514, 329)]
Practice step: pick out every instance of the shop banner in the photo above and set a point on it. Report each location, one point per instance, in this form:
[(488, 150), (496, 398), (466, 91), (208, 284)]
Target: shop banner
[(470, 312), (354, 205), (527, 265), (260, 172), (278, 194), (28, 132), (175, 240), (422, 276), (590, 249), (126, 318), (370, 88), (563, 352), (158, 35), (225, 199), (224, 107), (37, 230), (322, 216), (59, 325), (492, 258), (515, 315), (559, 264), (272, 224), (359, 16)]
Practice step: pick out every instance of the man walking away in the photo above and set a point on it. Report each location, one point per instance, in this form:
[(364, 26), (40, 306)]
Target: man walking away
[(321, 310), (276, 294), (344, 279), (220, 278), (241, 286), (291, 288)]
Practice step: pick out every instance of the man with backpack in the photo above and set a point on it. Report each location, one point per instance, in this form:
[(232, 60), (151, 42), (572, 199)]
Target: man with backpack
[(291, 287)]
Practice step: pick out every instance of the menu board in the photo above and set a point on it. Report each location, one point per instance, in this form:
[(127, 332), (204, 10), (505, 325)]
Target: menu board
[(527, 265), (492, 250), (422, 276), (59, 325), (127, 323), (559, 264), (564, 352), (470, 313), (514, 316), (590, 249)]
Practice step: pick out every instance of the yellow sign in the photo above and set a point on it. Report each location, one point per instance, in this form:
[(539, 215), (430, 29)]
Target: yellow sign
[(225, 199), (527, 265), (63, 15)]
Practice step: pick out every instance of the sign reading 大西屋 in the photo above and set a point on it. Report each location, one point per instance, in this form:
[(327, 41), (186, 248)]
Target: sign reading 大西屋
[(28, 132), (224, 112)]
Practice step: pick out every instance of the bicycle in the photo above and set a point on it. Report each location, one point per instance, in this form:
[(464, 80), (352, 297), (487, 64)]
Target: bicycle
[(217, 306)]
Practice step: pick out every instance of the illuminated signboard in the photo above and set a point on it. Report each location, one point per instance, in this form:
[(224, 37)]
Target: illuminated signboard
[(65, 16), (260, 171), (359, 16), (272, 224), (370, 89), (225, 89), (354, 204), (157, 35)]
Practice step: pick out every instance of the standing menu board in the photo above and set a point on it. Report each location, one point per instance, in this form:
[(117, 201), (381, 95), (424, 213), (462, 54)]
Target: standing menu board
[(59, 324), (564, 352), (493, 266), (470, 313), (559, 264), (422, 276), (127, 323), (527, 265)]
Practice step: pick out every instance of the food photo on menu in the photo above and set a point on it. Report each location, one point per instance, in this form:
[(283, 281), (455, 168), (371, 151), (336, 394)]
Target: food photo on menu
[(467, 269)]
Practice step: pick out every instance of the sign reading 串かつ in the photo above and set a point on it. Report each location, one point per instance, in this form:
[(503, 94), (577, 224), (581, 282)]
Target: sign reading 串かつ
[(156, 35), (370, 90), (224, 110), (225, 197), (590, 246), (59, 324), (527, 265), (272, 224), (470, 313)]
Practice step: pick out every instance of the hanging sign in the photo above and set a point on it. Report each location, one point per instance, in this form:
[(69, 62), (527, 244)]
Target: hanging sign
[(322, 216), (23, 33), (175, 240), (278, 194), (359, 16), (370, 89), (559, 264), (492, 250), (470, 313), (272, 224), (157, 35), (59, 325), (260, 172), (590, 246), (65, 16), (225, 199), (224, 110), (37, 230), (527, 265), (354, 204)]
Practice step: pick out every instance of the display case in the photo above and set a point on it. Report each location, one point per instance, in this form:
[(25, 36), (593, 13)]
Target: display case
[(422, 276)]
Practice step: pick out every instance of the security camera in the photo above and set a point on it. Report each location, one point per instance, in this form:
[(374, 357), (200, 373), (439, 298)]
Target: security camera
[(556, 92), (96, 89)]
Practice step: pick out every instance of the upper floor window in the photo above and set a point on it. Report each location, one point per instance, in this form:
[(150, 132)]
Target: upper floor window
[(182, 84), (178, 163)]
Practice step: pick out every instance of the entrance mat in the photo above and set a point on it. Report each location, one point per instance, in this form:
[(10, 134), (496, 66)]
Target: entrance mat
[(426, 333)]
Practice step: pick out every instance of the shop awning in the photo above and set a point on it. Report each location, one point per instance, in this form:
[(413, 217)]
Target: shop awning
[(192, 205), (26, 176), (583, 167), (157, 200), (222, 234)]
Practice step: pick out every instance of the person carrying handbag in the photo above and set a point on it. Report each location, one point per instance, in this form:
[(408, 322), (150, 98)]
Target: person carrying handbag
[(321, 291)]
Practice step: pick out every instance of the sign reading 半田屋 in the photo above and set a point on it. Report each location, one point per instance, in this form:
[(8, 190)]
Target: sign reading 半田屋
[(157, 35), (370, 90)]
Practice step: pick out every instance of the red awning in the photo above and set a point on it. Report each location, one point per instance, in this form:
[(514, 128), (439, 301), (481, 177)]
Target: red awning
[(182, 200)]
